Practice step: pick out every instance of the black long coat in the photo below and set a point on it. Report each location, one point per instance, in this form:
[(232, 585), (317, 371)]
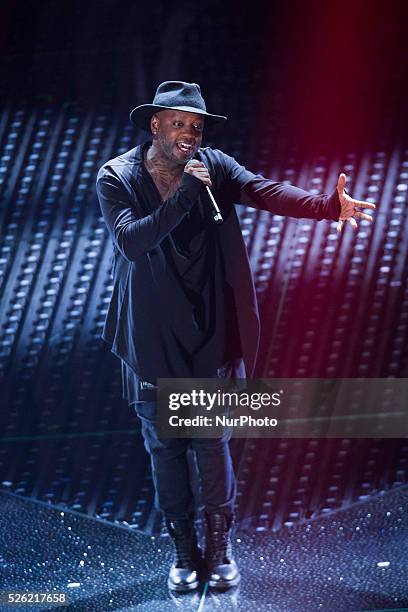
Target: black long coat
[(138, 229)]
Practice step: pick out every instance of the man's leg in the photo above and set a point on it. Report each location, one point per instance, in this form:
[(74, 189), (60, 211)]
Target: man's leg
[(218, 487), (173, 496), (217, 478), (169, 464)]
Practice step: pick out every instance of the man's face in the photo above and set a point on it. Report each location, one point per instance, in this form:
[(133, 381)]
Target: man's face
[(178, 134)]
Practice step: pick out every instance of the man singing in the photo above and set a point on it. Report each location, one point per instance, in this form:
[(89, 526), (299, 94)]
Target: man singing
[(184, 304)]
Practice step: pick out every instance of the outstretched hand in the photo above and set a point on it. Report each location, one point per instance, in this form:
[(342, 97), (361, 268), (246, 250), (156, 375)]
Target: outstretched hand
[(348, 204)]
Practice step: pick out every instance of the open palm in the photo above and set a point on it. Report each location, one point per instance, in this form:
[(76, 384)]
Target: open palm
[(348, 204)]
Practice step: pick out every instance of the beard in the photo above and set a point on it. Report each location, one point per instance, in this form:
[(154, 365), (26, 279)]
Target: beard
[(174, 153)]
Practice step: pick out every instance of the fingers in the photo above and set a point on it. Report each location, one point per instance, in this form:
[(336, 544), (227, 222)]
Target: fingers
[(362, 204), (194, 163), (340, 224), (341, 183), (361, 215), (204, 177), (199, 170), (201, 174), (352, 221)]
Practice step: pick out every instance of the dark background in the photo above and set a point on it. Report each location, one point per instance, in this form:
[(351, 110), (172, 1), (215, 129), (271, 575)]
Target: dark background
[(310, 90)]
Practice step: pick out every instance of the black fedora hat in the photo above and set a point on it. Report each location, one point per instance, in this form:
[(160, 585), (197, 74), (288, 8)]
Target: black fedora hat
[(173, 95)]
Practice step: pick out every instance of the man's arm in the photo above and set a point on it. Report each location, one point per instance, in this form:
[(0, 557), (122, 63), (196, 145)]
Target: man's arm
[(288, 200), (283, 199), (280, 198), (132, 235)]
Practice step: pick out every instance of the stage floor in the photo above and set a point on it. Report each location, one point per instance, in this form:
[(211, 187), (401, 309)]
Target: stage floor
[(351, 560)]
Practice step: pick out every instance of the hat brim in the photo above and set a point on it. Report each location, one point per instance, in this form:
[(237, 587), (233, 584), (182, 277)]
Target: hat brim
[(142, 114)]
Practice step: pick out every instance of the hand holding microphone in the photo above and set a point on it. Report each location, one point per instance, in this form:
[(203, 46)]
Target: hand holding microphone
[(198, 169)]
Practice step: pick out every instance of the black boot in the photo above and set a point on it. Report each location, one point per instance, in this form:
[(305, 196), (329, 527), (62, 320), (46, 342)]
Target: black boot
[(222, 568), (183, 575)]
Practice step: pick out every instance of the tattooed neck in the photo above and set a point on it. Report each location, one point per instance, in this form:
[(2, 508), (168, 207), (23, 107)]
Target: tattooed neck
[(161, 168), (166, 177)]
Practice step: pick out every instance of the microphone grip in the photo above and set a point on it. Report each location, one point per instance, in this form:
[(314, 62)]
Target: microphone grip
[(216, 213)]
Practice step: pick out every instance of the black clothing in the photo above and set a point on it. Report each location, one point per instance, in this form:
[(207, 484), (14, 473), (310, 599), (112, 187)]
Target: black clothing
[(183, 303), (170, 469)]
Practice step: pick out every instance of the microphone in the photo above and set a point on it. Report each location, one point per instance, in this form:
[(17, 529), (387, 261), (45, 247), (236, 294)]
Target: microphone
[(216, 213)]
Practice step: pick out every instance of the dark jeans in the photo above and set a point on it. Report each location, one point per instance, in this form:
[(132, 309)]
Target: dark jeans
[(171, 469)]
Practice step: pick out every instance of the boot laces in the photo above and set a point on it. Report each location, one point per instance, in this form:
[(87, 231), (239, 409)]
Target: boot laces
[(184, 552), (219, 545), (185, 545)]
